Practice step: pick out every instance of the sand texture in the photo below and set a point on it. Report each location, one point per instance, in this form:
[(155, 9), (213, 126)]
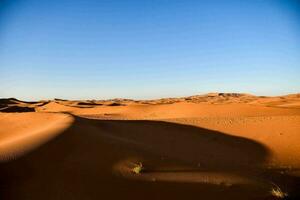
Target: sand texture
[(214, 146)]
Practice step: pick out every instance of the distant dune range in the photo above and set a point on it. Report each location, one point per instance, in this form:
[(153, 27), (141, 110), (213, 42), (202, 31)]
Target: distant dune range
[(213, 146)]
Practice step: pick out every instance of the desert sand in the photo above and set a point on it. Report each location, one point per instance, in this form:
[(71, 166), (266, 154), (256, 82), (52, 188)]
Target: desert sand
[(213, 146)]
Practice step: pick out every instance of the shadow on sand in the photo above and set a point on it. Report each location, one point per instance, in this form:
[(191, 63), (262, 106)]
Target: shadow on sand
[(78, 164)]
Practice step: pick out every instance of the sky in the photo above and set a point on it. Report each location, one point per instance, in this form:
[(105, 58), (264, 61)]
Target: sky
[(101, 49)]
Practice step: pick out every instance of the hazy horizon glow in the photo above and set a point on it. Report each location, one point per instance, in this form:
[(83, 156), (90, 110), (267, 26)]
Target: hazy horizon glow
[(147, 49)]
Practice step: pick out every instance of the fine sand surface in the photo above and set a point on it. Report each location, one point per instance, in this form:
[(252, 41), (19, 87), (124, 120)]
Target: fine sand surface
[(214, 146)]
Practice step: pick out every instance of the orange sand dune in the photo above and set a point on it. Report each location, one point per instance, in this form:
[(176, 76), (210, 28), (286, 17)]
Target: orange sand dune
[(23, 132), (215, 146)]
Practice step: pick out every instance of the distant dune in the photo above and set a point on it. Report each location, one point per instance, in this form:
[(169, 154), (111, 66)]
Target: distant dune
[(212, 146)]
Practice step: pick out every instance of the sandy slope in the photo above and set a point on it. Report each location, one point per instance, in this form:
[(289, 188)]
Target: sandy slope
[(22, 132), (215, 146)]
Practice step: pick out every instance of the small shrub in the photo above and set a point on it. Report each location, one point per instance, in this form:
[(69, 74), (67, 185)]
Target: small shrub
[(277, 192), (138, 168)]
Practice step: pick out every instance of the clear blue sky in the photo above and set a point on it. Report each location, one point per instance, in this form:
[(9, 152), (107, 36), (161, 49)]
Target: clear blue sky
[(95, 49)]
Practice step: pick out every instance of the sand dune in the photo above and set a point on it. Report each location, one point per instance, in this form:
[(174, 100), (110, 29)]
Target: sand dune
[(214, 146), (24, 132)]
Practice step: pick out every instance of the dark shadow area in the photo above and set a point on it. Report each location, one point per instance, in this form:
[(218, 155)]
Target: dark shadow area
[(76, 106), (8, 101), (185, 143), (281, 177), (78, 164), (89, 104), (116, 104), (17, 109), (56, 99), (15, 105), (81, 104)]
